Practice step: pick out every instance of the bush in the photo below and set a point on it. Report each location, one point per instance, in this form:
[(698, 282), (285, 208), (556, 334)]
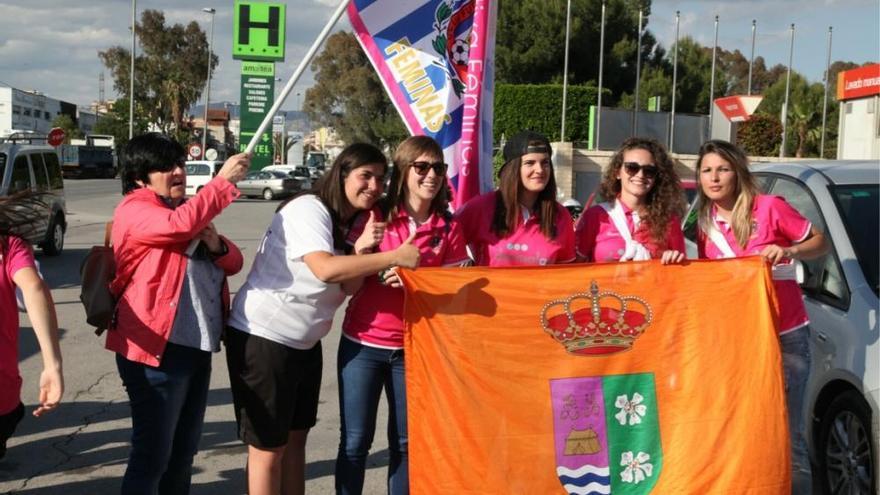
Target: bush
[(539, 108), (760, 136)]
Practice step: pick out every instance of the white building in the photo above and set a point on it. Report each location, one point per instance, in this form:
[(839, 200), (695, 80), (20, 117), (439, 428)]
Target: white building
[(858, 91), (30, 111)]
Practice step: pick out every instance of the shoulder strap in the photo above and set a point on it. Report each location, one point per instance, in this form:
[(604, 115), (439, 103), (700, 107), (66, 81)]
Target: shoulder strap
[(615, 213), (720, 241)]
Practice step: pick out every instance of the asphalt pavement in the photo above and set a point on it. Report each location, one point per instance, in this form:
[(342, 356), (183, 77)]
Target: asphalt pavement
[(82, 447)]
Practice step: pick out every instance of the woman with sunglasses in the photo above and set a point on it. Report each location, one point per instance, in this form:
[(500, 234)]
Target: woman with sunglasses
[(521, 223), (735, 220), (371, 351), (641, 218)]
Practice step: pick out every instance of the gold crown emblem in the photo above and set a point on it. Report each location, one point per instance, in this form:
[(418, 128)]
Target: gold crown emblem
[(609, 324)]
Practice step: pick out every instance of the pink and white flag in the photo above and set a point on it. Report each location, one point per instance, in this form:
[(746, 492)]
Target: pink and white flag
[(436, 60)]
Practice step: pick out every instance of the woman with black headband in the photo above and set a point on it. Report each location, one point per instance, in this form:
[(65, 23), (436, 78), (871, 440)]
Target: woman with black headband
[(521, 223)]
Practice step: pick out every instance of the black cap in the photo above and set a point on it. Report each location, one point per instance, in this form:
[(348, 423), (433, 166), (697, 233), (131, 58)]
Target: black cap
[(523, 143)]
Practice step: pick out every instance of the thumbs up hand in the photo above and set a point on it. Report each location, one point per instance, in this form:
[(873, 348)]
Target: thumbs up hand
[(407, 255), (372, 235)]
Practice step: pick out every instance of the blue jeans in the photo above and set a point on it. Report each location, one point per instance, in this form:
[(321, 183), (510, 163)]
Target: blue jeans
[(363, 371), (167, 411), (796, 367)]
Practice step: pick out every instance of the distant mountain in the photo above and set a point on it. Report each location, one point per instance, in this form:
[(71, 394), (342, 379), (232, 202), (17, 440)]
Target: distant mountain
[(289, 115)]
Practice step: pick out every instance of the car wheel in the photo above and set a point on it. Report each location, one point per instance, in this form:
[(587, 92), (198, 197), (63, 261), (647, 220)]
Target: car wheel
[(268, 194), (54, 243), (845, 451)]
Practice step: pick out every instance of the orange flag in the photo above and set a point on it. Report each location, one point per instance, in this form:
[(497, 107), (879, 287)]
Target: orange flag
[(622, 378)]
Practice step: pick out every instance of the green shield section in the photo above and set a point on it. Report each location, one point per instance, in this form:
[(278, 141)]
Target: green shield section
[(635, 453)]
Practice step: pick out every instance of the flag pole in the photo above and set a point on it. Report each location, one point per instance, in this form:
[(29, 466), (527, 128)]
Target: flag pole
[(674, 81), (601, 70), (712, 79), (565, 70), (296, 75), (825, 98), (787, 91)]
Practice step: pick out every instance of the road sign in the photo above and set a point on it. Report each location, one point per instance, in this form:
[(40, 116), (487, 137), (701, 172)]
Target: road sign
[(258, 31), (56, 137), (738, 108), (195, 151), (257, 93), (211, 154)]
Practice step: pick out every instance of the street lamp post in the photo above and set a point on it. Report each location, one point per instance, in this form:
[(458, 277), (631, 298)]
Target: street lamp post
[(131, 75), (211, 11)]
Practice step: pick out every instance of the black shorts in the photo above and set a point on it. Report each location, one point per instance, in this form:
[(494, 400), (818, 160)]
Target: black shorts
[(275, 388)]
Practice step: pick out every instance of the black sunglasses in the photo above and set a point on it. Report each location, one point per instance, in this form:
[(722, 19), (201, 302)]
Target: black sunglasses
[(648, 171), (423, 167)]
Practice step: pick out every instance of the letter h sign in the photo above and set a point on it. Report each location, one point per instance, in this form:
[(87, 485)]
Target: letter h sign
[(258, 31)]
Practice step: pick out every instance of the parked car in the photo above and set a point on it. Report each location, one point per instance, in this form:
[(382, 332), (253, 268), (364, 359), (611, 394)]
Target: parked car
[(840, 198), (268, 184), (26, 164), (298, 172), (199, 173)]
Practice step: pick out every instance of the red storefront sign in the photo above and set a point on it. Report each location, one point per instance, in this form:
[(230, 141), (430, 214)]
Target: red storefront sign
[(856, 83), (738, 108)]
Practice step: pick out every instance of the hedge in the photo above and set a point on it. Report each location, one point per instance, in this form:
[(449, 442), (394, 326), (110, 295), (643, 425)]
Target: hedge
[(539, 108)]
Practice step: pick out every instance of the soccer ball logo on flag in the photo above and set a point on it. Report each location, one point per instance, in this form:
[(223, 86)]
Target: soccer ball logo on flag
[(452, 23)]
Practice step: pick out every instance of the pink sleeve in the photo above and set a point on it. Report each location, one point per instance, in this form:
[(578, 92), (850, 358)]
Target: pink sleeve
[(789, 222), (19, 254), (456, 247), (586, 231), (565, 234), (674, 235)]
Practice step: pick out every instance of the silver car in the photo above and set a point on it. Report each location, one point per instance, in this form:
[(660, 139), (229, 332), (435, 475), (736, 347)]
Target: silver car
[(268, 184), (841, 295)]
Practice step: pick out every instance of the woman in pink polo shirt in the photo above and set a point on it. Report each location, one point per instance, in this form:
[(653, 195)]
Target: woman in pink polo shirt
[(521, 223), (641, 219), (735, 220), (371, 350)]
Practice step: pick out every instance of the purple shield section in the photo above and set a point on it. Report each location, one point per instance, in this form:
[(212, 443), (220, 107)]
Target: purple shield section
[(579, 432)]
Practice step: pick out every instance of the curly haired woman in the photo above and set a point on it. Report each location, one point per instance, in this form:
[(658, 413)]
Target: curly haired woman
[(641, 219)]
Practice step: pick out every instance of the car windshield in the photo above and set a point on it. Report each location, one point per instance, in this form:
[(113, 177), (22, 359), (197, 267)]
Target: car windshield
[(278, 174), (859, 206)]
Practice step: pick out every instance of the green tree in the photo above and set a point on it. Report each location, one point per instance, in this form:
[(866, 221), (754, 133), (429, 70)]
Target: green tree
[(804, 123), (530, 42), (761, 135), (71, 130), (349, 97), (115, 123), (170, 71)]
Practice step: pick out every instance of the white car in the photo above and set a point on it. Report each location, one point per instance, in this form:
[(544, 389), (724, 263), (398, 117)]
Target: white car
[(198, 173), (841, 198)]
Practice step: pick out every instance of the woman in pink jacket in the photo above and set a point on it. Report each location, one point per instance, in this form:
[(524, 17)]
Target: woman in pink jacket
[(173, 301)]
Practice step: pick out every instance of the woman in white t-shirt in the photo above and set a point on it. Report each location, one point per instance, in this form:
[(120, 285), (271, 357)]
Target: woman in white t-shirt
[(286, 306)]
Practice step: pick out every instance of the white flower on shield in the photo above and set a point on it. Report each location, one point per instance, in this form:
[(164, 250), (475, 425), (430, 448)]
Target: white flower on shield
[(633, 409), (637, 467)]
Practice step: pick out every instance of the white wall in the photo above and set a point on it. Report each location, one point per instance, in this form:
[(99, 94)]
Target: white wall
[(859, 131)]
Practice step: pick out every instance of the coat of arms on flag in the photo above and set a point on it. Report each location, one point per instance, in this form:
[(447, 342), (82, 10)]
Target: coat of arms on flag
[(606, 434)]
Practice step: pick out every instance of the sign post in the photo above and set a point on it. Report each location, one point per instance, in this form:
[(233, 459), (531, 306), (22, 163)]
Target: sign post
[(257, 91), (258, 41)]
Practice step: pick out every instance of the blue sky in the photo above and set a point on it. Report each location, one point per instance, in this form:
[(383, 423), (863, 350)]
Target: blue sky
[(52, 45), (856, 29)]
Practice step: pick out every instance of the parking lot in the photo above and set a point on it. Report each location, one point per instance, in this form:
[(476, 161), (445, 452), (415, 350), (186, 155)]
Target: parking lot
[(81, 448)]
